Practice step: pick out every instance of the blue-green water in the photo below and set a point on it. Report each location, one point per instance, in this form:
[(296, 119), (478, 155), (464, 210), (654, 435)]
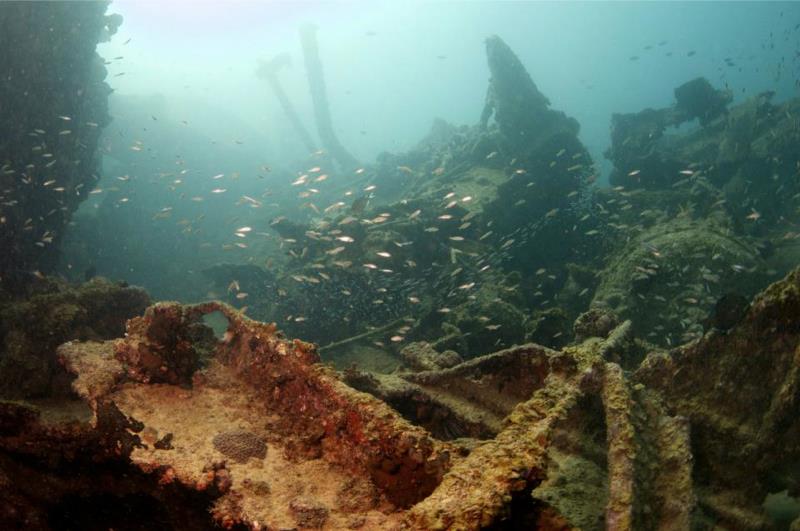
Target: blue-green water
[(414, 187), (201, 160)]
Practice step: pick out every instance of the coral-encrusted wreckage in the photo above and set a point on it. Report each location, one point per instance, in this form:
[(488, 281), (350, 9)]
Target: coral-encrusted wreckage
[(641, 374), (253, 426)]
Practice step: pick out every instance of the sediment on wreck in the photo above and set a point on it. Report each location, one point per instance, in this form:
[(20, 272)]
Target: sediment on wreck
[(274, 415), (59, 470), (53, 106)]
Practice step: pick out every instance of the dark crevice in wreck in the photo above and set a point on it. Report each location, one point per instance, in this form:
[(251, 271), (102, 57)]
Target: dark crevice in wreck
[(524, 512), (134, 510)]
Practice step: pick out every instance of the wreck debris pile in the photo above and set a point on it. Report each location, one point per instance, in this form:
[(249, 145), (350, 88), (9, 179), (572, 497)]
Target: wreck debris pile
[(729, 149), (458, 217), (572, 440), (569, 439), (638, 140), (749, 415), (463, 219), (273, 417), (701, 223), (665, 282)]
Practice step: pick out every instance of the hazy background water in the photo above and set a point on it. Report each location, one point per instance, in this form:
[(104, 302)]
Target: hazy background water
[(391, 67), (187, 95)]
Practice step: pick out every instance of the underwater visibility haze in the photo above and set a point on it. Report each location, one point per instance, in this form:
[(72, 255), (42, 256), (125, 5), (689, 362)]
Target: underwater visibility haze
[(400, 265)]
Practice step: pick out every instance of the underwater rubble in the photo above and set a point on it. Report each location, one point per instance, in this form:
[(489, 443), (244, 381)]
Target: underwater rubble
[(739, 390), (539, 438), (463, 218), (446, 208)]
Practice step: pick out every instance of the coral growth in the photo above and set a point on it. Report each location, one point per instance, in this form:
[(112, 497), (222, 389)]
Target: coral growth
[(240, 445)]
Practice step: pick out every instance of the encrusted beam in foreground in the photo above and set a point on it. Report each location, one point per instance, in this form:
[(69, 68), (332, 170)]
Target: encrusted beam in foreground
[(478, 490)]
